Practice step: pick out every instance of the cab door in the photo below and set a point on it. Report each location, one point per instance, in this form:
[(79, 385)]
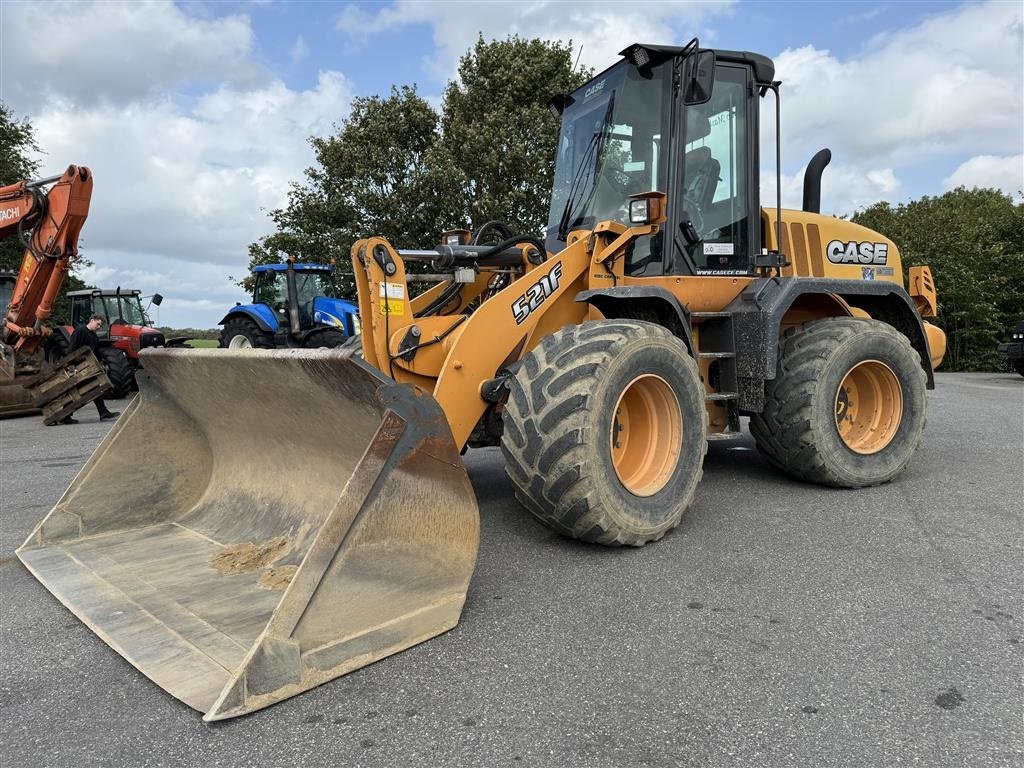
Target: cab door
[(717, 205)]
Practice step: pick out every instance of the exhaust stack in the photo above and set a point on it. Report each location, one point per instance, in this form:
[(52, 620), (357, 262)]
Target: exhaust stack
[(812, 180)]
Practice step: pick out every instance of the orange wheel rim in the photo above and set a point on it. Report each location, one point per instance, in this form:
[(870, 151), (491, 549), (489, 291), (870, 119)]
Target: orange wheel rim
[(646, 435), (869, 407)]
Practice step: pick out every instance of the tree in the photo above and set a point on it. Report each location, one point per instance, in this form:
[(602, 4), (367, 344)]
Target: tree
[(17, 143), (397, 169), (498, 134), (973, 240), (17, 140), (372, 177)]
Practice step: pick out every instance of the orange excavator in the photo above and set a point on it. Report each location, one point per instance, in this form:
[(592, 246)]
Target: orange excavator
[(47, 216)]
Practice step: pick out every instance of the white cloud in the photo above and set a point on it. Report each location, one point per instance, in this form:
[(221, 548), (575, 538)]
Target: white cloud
[(190, 186), (844, 188), (1003, 173), (116, 52), (603, 28), (953, 83), (184, 179)]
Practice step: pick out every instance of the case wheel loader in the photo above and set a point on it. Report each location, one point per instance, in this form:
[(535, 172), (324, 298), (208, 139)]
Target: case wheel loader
[(663, 304)]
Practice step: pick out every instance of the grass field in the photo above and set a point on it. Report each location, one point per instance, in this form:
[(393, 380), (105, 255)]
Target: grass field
[(201, 343)]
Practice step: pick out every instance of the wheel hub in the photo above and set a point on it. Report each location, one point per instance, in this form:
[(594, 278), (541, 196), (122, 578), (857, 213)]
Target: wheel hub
[(646, 435), (868, 407)]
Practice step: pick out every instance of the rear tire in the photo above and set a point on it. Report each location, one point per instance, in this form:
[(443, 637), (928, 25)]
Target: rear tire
[(243, 333), (847, 405), (119, 371), (569, 468), (329, 339)]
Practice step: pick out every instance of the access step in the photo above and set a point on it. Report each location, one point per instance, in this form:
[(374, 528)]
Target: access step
[(718, 396)]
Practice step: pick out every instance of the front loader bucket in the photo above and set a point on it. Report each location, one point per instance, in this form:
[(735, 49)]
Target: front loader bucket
[(260, 522)]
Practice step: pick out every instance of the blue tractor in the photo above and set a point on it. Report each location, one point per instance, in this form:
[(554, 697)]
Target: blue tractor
[(293, 305)]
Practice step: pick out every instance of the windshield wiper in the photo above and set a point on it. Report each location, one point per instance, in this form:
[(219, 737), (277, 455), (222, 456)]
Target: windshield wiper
[(594, 147)]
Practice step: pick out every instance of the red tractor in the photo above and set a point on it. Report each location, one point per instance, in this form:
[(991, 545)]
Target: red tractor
[(126, 330)]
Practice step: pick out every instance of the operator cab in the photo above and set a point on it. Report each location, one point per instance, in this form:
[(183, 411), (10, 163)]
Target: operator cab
[(116, 307), (311, 281), (652, 122)]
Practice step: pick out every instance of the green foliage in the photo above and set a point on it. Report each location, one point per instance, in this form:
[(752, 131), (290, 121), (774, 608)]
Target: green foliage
[(498, 135), (973, 240), (372, 177), (396, 168), (204, 334), (17, 140)]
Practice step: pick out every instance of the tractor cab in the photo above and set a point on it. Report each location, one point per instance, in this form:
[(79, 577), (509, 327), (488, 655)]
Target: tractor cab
[(293, 305), (311, 281), (126, 324), (683, 121)]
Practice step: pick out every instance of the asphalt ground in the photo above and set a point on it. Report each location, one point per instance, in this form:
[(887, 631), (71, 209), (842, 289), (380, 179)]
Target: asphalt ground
[(781, 624)]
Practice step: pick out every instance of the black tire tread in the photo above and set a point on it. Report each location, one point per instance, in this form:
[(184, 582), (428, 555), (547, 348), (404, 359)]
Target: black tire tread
[(246, 326), (782, 431), (544, 445), (119, 371)]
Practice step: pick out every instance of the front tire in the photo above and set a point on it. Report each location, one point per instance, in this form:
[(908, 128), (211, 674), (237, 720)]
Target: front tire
[(55, 346), (847, 405), (605, 431), (119, 371), (243, 333)]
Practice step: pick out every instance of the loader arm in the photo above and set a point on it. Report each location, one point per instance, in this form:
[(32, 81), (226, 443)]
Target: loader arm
[(55, 218), (460, 358)]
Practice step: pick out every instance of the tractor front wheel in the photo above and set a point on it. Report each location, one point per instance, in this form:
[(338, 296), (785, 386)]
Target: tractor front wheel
[(847, 405), (119, 371), (243, 333), (55, 346), (605, 431)]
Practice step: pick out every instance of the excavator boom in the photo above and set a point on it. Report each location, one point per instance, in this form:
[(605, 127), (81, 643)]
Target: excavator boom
[(55, 217)]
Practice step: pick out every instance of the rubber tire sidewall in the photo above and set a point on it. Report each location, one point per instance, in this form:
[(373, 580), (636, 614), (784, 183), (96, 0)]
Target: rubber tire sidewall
[(327, 339), (846, 467), (557, 431), (119, 371), (662, 510), (243, 326)]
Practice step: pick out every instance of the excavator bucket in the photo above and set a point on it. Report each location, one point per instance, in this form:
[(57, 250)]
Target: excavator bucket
[(260, 522)]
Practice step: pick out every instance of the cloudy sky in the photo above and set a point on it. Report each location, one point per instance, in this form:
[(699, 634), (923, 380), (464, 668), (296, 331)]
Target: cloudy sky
[(194, 116)]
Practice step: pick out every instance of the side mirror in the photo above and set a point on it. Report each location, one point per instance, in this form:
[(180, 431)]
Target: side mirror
[(699, 77), (158, 299)]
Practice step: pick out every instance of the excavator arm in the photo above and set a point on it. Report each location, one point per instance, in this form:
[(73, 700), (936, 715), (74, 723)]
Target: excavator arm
[(48, 221)]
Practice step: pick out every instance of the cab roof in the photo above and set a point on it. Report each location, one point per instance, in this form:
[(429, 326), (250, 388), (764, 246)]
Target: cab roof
[(126, 292), (764, 68), (280, 267)]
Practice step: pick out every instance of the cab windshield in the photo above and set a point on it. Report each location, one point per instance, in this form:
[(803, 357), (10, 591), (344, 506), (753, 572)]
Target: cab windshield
[(272, 290), (126, 310), (610, 147)]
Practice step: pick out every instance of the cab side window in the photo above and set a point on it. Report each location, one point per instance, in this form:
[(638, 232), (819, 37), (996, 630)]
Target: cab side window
[(716, 175)]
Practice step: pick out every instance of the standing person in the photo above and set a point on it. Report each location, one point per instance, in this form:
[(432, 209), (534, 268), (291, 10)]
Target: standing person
[(85, 336)]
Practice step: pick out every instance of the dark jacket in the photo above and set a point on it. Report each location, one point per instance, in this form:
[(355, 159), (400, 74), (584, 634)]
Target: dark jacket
[(83, 337)]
